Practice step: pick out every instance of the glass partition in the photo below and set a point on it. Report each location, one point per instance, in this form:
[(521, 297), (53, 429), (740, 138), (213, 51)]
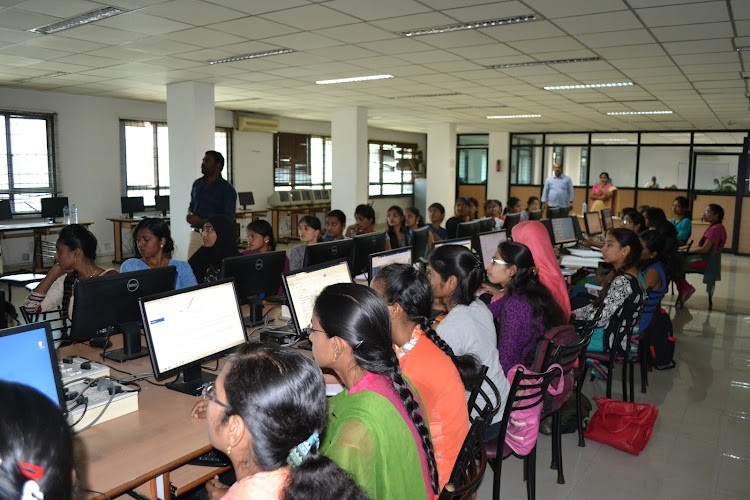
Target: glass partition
[(618, 162), (669, 167)]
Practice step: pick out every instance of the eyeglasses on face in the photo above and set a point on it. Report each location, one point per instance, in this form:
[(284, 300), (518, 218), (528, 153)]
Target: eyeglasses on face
[(310, 329), (209, 393), (498, 261)]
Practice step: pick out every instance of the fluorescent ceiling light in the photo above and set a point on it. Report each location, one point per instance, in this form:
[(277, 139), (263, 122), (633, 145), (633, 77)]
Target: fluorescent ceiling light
[(623, 113), (74, 22), (418, 96), (255, 55), (503, 117), (354, 79), (540, 63), (472, 25), (48, 75), (743, 49), (590, 86)]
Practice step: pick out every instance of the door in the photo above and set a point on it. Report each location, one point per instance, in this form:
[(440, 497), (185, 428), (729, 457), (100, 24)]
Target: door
[(714, 179), (743, 196)]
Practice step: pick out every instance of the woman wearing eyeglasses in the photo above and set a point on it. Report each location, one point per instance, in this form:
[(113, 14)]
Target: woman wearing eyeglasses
[(376, 431), (267, 412), (526, 309), (218, 243)]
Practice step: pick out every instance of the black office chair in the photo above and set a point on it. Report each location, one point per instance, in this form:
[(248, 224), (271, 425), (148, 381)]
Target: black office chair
[(471, 463)]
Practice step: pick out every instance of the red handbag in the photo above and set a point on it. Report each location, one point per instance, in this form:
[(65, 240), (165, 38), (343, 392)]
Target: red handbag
[(621, 424)]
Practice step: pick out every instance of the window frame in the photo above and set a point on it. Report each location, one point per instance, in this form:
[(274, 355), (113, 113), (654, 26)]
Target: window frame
[(52, 172), (300, 167), (380, 183)]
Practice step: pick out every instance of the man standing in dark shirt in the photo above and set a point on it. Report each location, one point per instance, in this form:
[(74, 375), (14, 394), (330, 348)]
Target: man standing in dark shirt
[(210, 195)]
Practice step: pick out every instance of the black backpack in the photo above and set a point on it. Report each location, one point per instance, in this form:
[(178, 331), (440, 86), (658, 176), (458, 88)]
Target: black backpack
[(661, 341)]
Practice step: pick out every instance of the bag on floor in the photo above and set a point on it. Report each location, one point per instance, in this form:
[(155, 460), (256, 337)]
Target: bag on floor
[(623, 425), (661, 341), (568, 417)]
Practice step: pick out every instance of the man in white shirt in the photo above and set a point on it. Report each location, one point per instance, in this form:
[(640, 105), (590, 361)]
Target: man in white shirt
[(558, 189)]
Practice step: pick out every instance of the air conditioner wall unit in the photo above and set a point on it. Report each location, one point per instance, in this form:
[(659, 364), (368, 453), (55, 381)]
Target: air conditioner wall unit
[(255, 123)]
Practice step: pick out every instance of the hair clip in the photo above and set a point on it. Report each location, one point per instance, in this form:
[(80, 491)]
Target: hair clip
[(31, 491), (30, 471), (298, 454), (358, 344)]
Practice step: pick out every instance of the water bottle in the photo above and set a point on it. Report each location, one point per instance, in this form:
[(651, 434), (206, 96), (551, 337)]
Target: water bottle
[(66, 214), (584, 208), (74, 214)]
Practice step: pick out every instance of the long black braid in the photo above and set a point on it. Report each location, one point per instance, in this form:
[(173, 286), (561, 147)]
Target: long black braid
[(356, 314)]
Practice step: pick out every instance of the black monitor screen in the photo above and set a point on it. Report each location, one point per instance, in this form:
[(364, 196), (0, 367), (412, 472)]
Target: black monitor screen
[(379, 260), (464, 242), (131, 205), (535, 215), (488, 243), (467, 229), (5, 211), (510, 221), (246, 198), (607, 219), (364, 246), (577, 228), (53, 207), (420, 243), (162, 204), (593, 223), (186, 327), (27, 356), (258, 274), (284, 196), (306, 195), (303, 287), (318, 195), (110, 303), (320, 253), (563, 231), (486, 224), (556, 213), (548, 225)]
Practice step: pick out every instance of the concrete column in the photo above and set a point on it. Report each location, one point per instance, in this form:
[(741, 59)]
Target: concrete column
[(350, 165), (191, 118), (497, 182), (441, 166)]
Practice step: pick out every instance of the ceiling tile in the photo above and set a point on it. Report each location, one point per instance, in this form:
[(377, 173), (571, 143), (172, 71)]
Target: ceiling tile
[(494, 10), (430, 56), (694, 32), (101, 34), (616, 38), (369, 10), (743, 28), (62, 43), (142, 23), (260, 7), (24, 20), (257, 27), (546, 44), (356, 33), (193, 12), (15, 36), (311, 17), (692, 13), (41, 53), (708, 58), (523, 31), (397, 46), (740, 9), (630, 51), (203, 37), (699, 47), (599, 23), (159, 46), (303, 41), (710, 68), (89, 60), (495, 50), (414, 22), (68, 8), (556, 8), (343, 52)]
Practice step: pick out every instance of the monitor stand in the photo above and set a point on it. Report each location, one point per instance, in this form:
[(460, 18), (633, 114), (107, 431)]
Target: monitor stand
[(131, 344), (131, 215), (192, 381)]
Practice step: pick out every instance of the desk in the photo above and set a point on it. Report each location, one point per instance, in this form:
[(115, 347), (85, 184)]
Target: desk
[(251, 214), (36, 229), (120, 223), (294, 212)]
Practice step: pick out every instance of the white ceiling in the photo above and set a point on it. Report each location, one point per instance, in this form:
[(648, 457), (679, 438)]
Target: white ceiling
[(679, 53)]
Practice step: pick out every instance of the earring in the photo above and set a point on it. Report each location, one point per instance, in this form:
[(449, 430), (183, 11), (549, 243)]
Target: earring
[(229, 450), (336, 354)]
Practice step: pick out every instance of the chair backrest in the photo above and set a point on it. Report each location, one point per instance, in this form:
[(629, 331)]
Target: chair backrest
[(470, 464), (57, 319), (480, 401)]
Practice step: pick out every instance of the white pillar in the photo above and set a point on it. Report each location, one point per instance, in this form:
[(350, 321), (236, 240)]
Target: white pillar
[(191, 118), (441, 166), (350, 166), (497, 182)]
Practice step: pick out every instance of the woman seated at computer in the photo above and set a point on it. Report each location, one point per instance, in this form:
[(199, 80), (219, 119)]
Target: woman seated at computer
[(437, 214), (218, 243), (513, 207), (631, 219), (455, 275), (74, 259), (36, 446), (398, 232), (376, 431), (428, 362), (260, 240), (365, 217), (532, 204), (267, 413), (153, 243), (622, 249), (603, 195), (335, 224), (526, 310), (494, 209), (310, 231)]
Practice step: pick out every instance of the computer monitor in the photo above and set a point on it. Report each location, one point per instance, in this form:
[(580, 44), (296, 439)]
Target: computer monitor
[(535, 215), (486, 224), (465, 229), (5, 211), (53, 207), (109, 304), (185, 328), (306, 195), (466, 242), (246, 199), (577, 228), (131, 205), (548, 225), (327, 251), (607, 221), (162, 204), (557, 213), (258, 274), (488, 243), (563, 231), (420, 243), (379, 260), (364, 245), (593, 223), (318, 195), (27, 356), (284, 197), (510, 222), (303, 287)]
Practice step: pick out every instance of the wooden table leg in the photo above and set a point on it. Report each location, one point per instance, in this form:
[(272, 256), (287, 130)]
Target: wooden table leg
[(118, 241), (275, 223)]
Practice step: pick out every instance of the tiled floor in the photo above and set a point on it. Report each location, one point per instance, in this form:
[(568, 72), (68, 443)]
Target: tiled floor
[(700, 448)]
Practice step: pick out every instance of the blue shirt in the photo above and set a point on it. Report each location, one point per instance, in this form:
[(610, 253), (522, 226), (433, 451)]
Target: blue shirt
[(217, 198), (185, 276), (558, 191), (684, 229)]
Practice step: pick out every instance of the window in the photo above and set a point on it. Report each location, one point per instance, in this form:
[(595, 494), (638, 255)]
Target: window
[(472, 158), (522, 162), (388, 175), (145, 157), (583, 172), (27, 160), (301, 161)]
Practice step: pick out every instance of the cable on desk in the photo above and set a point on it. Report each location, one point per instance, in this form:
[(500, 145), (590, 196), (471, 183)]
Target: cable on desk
[(101, 414), (214, 369)]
